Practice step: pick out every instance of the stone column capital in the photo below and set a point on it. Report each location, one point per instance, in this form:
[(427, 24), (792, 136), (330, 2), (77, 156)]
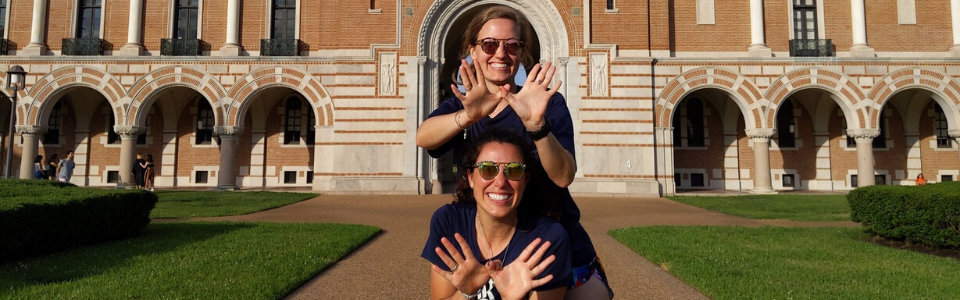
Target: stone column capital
[(954, 133), (227, 131), (760, 133), (31, 129), (421, 60), (863, 133), (127, 131)]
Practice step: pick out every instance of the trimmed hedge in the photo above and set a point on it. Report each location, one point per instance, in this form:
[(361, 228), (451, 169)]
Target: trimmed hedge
[(928, 214), (41, 216)]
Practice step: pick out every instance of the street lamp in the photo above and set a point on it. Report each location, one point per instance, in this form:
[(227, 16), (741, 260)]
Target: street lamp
[(15, 82)]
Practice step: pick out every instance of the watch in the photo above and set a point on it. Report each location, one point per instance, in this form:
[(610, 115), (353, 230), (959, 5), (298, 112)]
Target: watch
[(542, 132)]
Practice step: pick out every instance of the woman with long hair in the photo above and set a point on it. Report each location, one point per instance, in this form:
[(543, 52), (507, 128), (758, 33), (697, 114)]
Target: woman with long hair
[(50, 168), (148, 173), (38, 167), (507, 250), (496, 40)]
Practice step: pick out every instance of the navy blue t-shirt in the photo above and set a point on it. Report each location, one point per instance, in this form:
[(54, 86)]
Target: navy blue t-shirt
[(562, 128), (461, 218)]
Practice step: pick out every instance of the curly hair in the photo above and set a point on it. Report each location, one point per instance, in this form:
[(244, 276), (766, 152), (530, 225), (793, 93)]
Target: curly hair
[(534, 198)]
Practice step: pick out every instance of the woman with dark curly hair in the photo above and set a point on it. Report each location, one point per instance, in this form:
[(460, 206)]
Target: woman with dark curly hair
[(498, 231)]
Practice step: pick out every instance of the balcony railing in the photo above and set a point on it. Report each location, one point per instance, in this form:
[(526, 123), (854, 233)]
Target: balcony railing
[(181, 47), (280, 47), (4, 46), (82, 46), (811, 48)]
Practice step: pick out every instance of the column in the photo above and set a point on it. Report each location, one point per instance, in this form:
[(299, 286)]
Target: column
[(864, 138), (228, 150), (31, 135), (232, 45), (36, 46), (128, 148), (859, 26), (81, 157), (955, 20), (758, 46), (761, 160), (133, 46), (955, 134)]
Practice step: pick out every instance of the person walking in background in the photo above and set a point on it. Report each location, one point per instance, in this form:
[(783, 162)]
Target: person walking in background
[(138, 171), (148, 173), (38, 167), (65, 168), (50, 168)]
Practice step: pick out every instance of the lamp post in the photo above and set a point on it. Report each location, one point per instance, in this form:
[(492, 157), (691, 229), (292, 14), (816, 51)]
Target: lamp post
[(15, 82)]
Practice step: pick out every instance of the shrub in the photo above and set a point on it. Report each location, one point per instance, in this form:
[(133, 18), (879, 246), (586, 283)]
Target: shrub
[(39, 216), (928, 214)]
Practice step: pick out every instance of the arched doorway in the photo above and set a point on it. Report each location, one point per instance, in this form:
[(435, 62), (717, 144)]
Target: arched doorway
[(277, 145), (708, 129)]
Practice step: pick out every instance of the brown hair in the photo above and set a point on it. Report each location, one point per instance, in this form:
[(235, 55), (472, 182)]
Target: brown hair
[(498, 12)]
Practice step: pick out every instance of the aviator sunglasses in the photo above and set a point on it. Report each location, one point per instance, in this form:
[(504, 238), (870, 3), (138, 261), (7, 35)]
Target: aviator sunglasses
[(511, 170), (490, 45)]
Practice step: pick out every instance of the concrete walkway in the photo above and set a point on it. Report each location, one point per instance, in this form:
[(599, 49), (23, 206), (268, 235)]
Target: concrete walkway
[(390, 267)]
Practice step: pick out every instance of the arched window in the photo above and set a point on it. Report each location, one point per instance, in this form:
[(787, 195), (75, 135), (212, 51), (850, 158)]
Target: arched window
[(291, 132), (785, 125), (52, 136), (205, 121), (695, 136), (940, 127)]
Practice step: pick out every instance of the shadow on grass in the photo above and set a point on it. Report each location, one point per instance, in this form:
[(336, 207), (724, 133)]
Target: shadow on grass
[(96, 259)]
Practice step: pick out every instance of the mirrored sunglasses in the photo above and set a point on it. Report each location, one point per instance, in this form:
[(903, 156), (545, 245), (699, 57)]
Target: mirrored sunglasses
[(490, 45), (511, 170)]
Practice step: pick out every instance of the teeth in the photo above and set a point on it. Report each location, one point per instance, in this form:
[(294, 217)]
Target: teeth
[(498, 197), (499, 65)]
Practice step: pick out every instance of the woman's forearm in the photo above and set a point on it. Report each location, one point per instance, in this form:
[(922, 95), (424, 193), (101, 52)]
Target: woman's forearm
[(437, 130), (559, 163)]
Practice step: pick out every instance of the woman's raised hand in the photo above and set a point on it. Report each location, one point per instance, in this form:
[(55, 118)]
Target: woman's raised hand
[(516, 280), (466, 274), (478, 102), (530, 103)]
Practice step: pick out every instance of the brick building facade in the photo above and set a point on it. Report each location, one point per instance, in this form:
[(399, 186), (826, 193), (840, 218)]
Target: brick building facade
[(744, 95)]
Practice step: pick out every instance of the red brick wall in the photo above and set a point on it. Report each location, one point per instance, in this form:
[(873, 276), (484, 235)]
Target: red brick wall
[(895, 157), (156, 25), (154, 144), (931, 33), (189, 156), (116, 21), (278, 156), (710, 158), (803, 158), (732, 19), (840, 160), (776, 25), (99, 154), (60, 24), (837, 24), (934, 160), (21, 16), (627, 28), (254, 23), (215, 24)]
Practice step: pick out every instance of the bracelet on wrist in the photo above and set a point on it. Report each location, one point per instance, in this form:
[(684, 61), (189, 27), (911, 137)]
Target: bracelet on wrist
[(456, 119)]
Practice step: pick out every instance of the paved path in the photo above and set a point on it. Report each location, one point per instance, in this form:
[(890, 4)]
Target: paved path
[(390, 267)]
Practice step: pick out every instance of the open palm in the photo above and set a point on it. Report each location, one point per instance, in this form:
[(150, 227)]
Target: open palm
[(530, 103), (478, 101), (516, 280)]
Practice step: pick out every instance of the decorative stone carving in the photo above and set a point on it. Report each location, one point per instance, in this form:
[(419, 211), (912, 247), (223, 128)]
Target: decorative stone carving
[(31, 129), (388, 73), (127, 131), (860, 134), (598, 74), (223, 131), (760, 133), (954, 133)]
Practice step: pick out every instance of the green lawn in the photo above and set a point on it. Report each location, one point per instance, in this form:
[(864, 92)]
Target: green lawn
[(792, 263), (192, 204), (789, 207), (190, 260)]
